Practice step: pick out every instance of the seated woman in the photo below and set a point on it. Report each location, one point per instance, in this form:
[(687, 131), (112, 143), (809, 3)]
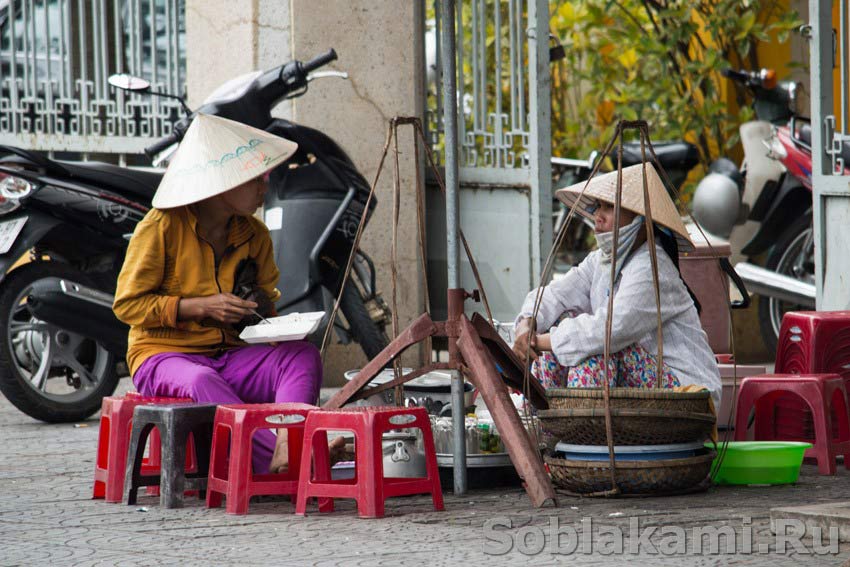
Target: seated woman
[(185, 264), (567, 349)]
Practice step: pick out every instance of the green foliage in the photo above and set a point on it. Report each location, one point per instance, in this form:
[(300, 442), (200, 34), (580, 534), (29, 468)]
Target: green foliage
[(658, 60)]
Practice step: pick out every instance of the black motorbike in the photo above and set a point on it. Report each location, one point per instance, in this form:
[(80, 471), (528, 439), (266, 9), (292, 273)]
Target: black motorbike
[(60, 343)]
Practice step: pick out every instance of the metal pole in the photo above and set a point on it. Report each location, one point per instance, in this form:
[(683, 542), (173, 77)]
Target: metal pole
[(540, 147), (821, 69), (449, 83)]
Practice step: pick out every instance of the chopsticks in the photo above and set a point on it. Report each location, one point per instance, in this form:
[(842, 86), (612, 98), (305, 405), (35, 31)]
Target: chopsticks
[(263, 319)]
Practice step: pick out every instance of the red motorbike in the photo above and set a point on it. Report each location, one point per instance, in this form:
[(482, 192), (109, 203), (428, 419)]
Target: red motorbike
[(767, 201)]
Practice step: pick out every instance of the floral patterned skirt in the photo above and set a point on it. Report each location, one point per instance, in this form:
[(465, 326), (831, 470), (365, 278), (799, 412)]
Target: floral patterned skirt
[(632, 367)]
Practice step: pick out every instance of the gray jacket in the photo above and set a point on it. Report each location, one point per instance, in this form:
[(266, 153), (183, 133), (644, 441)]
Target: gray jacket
[(583, 293)]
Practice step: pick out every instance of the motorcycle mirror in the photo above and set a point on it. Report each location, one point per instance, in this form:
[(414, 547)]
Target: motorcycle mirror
[(127, 82), (130, 83)]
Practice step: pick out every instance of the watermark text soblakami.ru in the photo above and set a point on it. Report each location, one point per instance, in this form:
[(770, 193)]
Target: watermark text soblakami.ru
[(789, 536)]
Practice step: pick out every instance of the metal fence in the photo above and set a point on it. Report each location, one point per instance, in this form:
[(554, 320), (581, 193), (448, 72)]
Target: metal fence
[(492, 53), (56, 56), (504, 136)]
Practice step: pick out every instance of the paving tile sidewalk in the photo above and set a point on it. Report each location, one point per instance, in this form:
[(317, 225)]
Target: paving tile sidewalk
[(47, 517)]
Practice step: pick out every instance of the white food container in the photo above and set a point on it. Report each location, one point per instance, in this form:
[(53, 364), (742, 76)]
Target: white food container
[(292, 327)]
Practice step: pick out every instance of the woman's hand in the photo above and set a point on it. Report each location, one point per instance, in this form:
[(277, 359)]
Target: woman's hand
[(543, 343), (523, 346), (523, 326), (223, 307)]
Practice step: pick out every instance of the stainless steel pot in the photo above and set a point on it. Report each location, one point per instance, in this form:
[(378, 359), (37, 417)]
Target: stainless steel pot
[(402, 456)]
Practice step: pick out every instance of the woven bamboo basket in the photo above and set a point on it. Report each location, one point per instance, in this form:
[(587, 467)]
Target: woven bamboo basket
[(630, 398), (633, 477), (629, 426)]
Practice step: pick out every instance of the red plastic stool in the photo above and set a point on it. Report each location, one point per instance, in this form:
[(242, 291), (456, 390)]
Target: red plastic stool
[(810, 342), (369, 487), (814, 342), (826, 398), (116, 421), (234, 429)]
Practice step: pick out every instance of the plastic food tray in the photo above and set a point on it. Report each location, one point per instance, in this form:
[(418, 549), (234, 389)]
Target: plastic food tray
[(629, 452), (292, 327)]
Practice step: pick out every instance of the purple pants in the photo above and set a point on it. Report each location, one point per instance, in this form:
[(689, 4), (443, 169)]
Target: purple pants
[(288, 372)]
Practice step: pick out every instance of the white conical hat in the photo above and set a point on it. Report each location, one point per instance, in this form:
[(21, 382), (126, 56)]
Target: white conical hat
[(216, 155), (604, 188)]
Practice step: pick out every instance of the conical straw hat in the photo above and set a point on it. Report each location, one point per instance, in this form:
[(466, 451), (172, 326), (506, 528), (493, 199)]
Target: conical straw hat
[(216, 155), (604, 188)]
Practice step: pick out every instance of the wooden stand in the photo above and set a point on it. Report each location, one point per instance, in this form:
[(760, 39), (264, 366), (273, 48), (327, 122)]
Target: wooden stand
[(477, 350)]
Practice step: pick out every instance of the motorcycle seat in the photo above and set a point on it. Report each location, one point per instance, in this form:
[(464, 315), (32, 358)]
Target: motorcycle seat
[(134, 184), (804, 135), (672, 155)]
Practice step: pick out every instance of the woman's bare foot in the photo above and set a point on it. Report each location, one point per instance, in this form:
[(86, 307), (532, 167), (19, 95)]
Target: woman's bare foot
[(336, 448), (280, 459)]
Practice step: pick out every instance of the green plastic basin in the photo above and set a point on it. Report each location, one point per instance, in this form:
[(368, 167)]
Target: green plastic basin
[(759, 462)]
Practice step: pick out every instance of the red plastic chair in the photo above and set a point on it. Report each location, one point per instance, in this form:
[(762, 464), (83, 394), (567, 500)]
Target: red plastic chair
[(810, 342), (116, 422), (369, 487), (230, 461), (826, 399)]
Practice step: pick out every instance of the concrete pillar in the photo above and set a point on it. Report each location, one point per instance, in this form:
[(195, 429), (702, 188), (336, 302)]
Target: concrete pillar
[(221, 44), (379, 45)]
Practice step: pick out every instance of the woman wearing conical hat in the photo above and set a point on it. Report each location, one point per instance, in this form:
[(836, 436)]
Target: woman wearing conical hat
[(198, 266), (568, 345)]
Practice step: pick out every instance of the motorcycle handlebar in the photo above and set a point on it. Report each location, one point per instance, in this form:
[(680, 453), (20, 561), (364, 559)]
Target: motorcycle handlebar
[(176, 136), (764, 78), (161, 144), (735, 75), (293, 76), (320, 61)]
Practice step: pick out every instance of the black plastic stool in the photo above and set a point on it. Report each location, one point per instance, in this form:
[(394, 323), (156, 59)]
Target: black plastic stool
[(175, 422)]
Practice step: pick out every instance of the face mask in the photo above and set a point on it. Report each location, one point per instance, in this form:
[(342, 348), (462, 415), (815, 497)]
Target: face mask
[(626, 240)]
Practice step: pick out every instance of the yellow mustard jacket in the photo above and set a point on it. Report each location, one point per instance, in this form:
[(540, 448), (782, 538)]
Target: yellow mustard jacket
[(167, 260)]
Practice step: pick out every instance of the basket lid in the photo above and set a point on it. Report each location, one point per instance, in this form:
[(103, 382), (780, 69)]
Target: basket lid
[(634, 393)]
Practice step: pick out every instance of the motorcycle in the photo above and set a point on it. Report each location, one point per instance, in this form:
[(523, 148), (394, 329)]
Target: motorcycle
[(771, 210), (60, 341)]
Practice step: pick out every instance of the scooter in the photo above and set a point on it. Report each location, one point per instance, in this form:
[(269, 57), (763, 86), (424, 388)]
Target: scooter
[(766, 205), (59, 340)]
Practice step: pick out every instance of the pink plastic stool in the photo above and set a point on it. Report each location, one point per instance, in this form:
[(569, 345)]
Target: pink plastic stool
[(234, 429), (116, 421), (826, 398), (369, 487), (810, 342)]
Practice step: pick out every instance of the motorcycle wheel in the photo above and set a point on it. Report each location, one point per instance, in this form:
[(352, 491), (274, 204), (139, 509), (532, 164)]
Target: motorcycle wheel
[(47, 372), (792, 255), (360, 325)]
